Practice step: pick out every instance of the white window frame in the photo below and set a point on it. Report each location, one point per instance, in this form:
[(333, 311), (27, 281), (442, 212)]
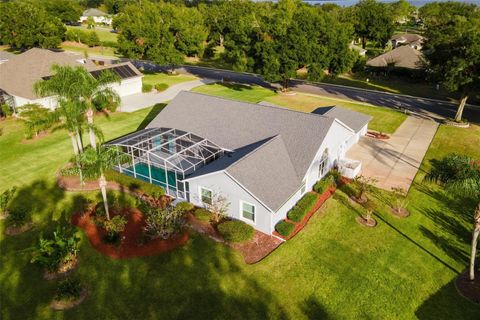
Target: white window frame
[(254, 221), (323, 161), (200, 188)]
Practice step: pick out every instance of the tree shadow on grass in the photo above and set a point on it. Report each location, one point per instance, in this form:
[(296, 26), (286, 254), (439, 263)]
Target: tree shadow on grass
[(202, 280), (447, 304), (313, 309)]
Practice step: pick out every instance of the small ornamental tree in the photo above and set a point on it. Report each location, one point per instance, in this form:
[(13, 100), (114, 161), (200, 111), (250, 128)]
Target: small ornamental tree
[(53, 252), (218, 206), (164, 223), (399, 203), (364, 185)]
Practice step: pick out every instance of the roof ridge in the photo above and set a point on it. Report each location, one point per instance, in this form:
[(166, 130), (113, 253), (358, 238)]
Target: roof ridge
[(266, 143), (256, 104)]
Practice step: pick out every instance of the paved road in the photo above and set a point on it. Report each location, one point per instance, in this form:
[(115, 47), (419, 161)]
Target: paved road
[(395, 162), (435, 109)]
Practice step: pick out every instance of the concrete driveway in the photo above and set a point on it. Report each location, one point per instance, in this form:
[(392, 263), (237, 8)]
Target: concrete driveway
[(395, 162), (142, 100)]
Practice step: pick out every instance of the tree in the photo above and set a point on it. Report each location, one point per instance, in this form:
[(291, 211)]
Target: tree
[(25, 25), (402, 11), (90, 23), (65, 10), (373, 21), (36, 118), (451, 48), (94, 164), (460, 175)]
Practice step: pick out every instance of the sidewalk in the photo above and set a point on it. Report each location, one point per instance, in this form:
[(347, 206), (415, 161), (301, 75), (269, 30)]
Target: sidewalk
[(139, 101)]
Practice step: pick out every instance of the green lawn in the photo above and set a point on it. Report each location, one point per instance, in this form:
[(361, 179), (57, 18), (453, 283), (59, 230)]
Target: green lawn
[(104, 34), (384, 120), (160, 77), (91, 51), (334, 269)]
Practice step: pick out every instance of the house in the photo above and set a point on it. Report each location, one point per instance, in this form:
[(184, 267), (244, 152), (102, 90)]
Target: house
[(19, 73), (415, 41), (402, 57), (360, 50), (262, 159), (98, 16)]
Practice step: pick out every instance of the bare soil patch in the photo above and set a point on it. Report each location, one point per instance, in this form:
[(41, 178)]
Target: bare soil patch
[(400, 212), (370, 223), (13, 230), (64, 270)]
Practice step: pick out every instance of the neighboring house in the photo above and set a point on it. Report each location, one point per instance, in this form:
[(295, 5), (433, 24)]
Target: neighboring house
[(263, 159), (5, 56), (402, 57), (412, 40), (360, 50), (97, 15), (18, 75)]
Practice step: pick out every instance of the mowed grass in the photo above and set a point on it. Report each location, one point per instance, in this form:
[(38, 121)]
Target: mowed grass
[(24, 161), (104, 34), (384, 120), (160, 77), (334, 269)]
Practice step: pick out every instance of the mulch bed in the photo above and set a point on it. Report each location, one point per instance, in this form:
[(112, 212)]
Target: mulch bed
[(377, 135), (300, 225), (131, 246), (67, 304), (254, 250), (469, 289), (400, 212), (366, 223), (13, 231), (63, 271)]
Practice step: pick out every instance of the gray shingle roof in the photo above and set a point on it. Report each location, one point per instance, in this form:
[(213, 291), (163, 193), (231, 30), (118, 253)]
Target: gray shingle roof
[(355, 120), (401, 57), (273, 147), (92, 12)]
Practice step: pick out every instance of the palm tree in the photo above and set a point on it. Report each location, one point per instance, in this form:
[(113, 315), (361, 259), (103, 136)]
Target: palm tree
[(95, 94), (96, 161), (461, 175), (68, 115)]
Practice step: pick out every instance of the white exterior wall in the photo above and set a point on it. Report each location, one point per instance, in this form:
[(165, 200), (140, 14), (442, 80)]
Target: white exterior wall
[(337, 136), (125, 88), (222, 183), (100, 19), (128, 86)]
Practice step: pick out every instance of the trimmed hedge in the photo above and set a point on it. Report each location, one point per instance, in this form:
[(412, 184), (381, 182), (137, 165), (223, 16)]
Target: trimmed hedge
[(202, 214), (324, 184), (161, 87), (235, 231), (146, 87), (302, 207), (284, 228)]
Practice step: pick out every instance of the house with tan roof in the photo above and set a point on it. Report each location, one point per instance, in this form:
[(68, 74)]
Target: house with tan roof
[(19, 73), (415, 41), (404, 57), (98, 16), (261, 158)]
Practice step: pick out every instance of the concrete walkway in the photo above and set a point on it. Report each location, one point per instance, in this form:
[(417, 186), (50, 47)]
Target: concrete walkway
[(139, 101), (395, 162)]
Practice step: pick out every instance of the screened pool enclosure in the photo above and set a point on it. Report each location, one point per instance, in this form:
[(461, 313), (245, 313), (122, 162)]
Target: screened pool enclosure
[(165, 157)]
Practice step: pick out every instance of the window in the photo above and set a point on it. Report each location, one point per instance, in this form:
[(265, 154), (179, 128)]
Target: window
[(322, 168), (248, 211), (206, 195)]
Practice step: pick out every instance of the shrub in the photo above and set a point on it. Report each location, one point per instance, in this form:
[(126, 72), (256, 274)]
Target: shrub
[(146, 87), (302, 207), (36, 119), (61, 248), (111, 44), (235, 231), (284, 228), (18, 216), (203, 214), (324, 184), (134, 184), (68, 289), (164, 223), (115, 225), (184, 206), (5, 199), (5, 110), (161, 87)]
